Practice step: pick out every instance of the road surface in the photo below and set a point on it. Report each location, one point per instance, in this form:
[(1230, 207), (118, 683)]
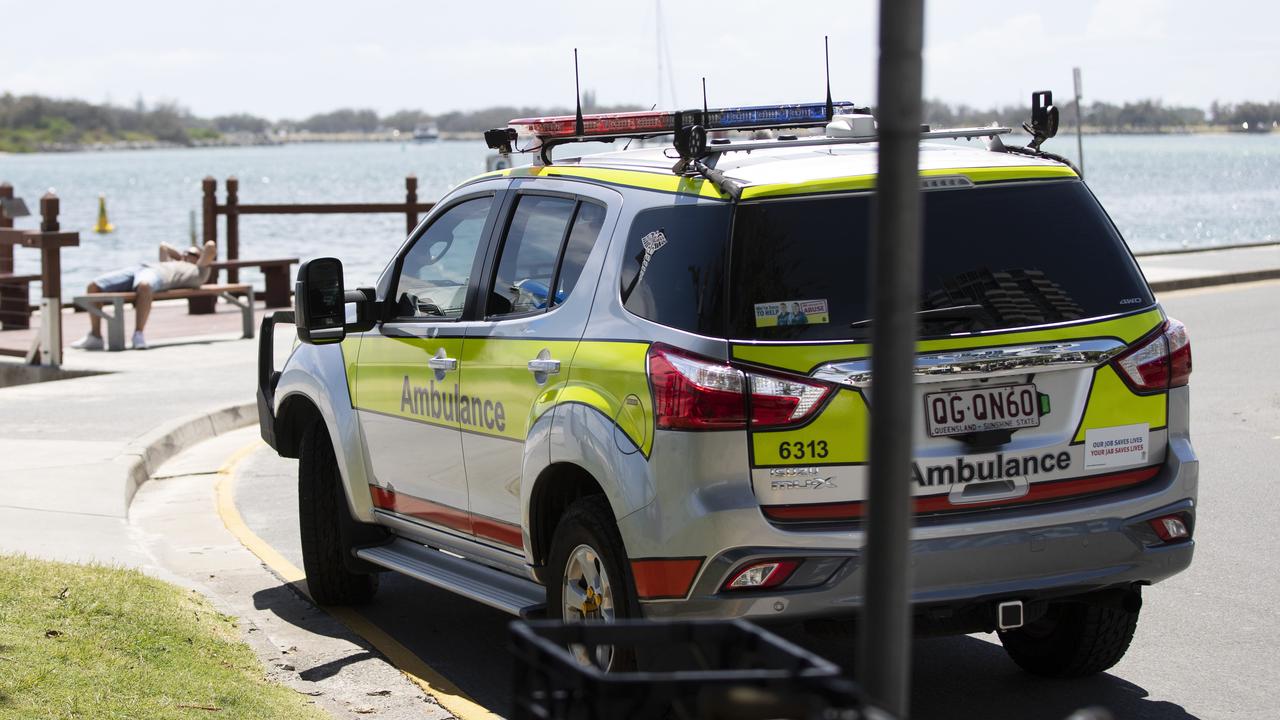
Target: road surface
[(1204, 647)]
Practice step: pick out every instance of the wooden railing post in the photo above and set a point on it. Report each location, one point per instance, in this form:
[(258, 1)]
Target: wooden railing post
[(233, 227), (50, 244), (209, 209), (50, 258), (15, 300), (410, 199), (209, 222), (6, 251)]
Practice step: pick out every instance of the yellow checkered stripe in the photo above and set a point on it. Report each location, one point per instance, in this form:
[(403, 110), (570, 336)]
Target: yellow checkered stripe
[(697, 186)]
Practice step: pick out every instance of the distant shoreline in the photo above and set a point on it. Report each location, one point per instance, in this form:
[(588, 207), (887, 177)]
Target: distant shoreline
[(242, 140), (300, 138)]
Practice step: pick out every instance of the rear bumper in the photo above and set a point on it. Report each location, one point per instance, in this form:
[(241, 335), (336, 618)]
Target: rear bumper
[(1045, 563), (1055, 550)]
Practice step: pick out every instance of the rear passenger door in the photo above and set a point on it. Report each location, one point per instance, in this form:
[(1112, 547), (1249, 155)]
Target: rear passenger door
[(516, 360)]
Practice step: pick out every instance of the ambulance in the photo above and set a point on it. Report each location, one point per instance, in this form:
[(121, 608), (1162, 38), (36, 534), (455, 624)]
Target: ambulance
[(637, 384)]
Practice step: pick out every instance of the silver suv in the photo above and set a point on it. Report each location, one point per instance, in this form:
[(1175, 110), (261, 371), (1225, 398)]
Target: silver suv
[(606, 389)]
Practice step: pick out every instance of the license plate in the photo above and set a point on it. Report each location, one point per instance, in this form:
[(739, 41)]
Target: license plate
[(960, 412)]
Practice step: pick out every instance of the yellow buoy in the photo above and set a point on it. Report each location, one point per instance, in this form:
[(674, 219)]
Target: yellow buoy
[(104, 225)]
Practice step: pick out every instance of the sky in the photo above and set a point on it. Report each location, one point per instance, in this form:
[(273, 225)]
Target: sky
[(286, 59)]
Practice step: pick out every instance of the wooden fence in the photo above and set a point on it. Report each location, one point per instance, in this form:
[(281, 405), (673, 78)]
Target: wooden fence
[(232, 209)]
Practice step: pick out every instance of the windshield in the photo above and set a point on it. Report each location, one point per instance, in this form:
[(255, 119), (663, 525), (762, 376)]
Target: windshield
[(1023, 253)]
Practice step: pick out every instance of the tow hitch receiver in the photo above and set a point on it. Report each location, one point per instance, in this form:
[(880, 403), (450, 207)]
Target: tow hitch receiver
[(1009, 615)]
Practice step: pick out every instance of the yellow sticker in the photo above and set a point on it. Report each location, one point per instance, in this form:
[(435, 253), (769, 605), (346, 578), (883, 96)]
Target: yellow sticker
[(792, 312)]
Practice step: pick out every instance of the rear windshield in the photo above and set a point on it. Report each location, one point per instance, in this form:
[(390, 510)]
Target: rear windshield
[(1000, 257)]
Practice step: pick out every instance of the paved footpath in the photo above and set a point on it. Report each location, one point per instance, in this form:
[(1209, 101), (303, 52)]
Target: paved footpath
[(1188, 269), (74, 451)]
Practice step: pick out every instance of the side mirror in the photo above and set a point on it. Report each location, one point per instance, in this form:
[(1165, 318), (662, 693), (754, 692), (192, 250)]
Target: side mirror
[(319, 299)]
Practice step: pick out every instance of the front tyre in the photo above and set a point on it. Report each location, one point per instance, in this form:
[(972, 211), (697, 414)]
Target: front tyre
[(326, 527), (1072, 640), (590, 581)]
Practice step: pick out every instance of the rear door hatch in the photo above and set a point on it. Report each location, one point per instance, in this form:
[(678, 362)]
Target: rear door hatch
[(1033, 322)]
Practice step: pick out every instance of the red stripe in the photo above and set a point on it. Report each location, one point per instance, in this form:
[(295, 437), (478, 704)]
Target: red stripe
[(1038, 492), (664, 578), (450, 517), (496, 530)]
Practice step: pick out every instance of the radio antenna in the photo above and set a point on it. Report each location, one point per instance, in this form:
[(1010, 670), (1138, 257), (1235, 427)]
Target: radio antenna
[(826, 53), (704, 99), (577, 93)]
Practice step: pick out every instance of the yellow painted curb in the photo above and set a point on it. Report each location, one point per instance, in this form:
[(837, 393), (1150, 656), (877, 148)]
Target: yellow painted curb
[(423, 675)]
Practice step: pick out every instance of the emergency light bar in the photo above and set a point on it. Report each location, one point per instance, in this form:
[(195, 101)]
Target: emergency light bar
[(605, 124), (773, 116), (664, 121)]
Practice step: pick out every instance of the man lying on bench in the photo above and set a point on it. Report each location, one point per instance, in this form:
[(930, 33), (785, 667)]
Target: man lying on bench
[(189, 269)]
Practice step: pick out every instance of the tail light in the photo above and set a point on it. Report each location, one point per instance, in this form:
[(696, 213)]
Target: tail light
[(783, 401), (1171, 528), (1159, 361), (697, 393), (692, 393), (761, 575)]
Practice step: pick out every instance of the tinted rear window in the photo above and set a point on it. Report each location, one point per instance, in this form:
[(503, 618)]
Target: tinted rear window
[(1027, 254), (674, 269)]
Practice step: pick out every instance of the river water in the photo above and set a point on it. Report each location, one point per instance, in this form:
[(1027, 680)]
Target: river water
[(1163, 191)]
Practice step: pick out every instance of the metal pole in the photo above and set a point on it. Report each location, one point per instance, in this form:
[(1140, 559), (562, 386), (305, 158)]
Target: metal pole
[(885, 633), (1079, 123)]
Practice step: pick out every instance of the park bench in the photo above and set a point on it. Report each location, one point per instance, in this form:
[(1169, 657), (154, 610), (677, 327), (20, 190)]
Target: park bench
[(275, 274), (15, 300), (93, 302)]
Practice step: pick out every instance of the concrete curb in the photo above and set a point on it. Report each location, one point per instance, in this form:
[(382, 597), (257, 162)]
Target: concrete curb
[(145, 454), (1199, 281)]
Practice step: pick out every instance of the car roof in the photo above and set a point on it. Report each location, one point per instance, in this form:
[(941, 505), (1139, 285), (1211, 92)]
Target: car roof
[(770, 169)]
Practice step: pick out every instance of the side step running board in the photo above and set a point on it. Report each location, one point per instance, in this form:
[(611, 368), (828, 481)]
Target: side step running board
[(483, 584)]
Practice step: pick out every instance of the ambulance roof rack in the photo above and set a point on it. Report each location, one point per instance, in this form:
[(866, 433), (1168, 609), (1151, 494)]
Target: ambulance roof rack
[(792, 141)]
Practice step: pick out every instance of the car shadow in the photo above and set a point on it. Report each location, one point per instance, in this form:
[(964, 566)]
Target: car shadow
[(952, 677), (464, 641), (968, 677), (290, 605)]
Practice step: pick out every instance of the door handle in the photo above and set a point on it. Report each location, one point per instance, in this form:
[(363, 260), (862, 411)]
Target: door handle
[(442, 363), (545, 366)]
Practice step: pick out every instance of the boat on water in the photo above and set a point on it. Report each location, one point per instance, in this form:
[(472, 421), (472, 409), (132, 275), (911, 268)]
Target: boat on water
[(427, 132)]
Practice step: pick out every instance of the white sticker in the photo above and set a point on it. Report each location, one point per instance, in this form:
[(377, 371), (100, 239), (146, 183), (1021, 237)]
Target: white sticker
[(1118, 446), (651, 243)]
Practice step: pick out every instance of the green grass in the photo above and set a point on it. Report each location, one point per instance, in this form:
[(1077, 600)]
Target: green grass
[(98, 642)]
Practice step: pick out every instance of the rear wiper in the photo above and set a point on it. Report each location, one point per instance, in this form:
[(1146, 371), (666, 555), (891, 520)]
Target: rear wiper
[(954, 312)]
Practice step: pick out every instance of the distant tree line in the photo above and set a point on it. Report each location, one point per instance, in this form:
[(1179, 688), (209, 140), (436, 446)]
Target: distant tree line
[(31, 122), (1138, 116)]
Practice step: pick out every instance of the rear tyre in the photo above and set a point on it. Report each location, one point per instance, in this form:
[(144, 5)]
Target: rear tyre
[(328, 531), (1072, 640), (590, 579)]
